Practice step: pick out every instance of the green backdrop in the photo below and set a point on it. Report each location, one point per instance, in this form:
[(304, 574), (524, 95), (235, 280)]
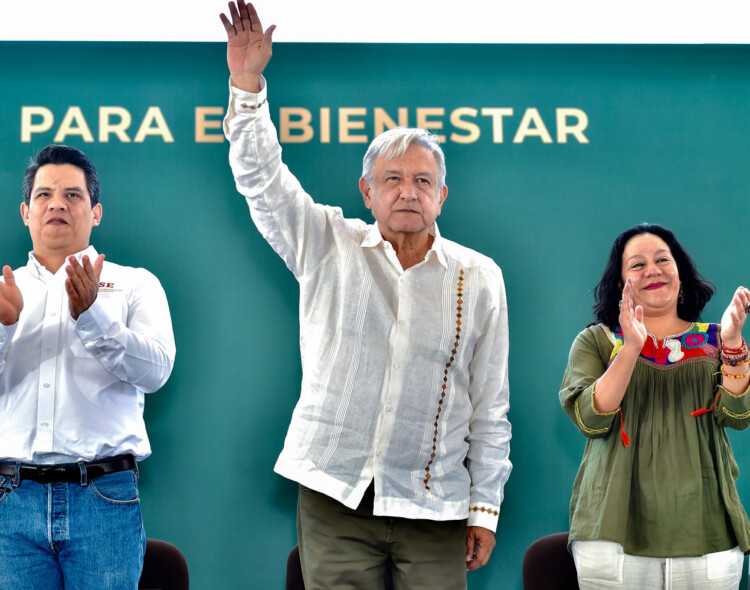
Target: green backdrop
[(668, 139)]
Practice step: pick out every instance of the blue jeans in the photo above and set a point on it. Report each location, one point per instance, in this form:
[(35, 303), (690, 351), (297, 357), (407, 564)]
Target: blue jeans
[(72, 536)]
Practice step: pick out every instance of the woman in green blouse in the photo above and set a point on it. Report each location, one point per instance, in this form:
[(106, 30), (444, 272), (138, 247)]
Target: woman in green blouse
[(655, 503)]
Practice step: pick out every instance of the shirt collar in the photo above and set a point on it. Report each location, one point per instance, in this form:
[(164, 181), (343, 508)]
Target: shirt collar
[(437, 244), (38, 270), (373, 237)]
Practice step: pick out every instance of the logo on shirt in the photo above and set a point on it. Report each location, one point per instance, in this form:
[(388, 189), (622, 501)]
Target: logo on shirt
[(108, 288)]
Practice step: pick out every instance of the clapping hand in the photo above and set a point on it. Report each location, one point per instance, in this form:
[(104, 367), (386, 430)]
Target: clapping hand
[(734, 318), (11, 301), (631, 318), (82, 283)]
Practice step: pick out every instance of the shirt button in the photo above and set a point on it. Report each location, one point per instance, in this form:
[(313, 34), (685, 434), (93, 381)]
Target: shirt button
[(380, 453), (396, 365), (401, 322), (46, 384), (389, 409), (53, 313), (45, 424)]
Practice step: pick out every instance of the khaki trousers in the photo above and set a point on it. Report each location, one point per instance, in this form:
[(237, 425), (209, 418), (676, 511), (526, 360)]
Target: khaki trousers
[(343, 549)]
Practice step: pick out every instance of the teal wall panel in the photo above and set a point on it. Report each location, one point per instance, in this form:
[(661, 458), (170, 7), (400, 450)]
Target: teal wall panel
[(668, 140)]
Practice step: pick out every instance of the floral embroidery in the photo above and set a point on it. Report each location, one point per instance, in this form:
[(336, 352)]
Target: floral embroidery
[(675, 350), (700, 340), (617, 347), (459, 309), (694, 339)]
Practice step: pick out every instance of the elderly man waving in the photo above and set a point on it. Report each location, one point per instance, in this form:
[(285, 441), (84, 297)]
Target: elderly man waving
[(400, 438)]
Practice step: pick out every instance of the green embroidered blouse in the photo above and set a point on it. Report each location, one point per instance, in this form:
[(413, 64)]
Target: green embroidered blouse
[(671, 492)]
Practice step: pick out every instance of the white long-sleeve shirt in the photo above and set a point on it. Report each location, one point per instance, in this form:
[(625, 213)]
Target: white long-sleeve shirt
[(74, 390), (379, 346)]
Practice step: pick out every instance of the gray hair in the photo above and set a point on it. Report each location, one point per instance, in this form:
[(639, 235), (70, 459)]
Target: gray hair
[(392, 144)]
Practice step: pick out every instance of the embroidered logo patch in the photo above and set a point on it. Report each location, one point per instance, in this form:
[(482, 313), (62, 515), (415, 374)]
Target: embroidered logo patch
[(108, 288)]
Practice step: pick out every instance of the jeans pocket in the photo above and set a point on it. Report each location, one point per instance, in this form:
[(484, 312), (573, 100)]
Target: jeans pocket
[(599, 561), (116, 488), (724, 564)]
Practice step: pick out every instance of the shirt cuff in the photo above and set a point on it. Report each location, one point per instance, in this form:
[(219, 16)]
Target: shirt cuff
[(483, 515), (735, 406), (588, 418), (245, 102), (93, 324), (6, 335)]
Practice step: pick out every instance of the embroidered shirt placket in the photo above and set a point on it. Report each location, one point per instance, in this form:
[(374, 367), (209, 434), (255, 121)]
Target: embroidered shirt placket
[(444, 386)]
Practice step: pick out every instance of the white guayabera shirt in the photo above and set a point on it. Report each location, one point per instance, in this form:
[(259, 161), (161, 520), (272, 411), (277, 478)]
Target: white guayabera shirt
[(74, 390), (405, 373)]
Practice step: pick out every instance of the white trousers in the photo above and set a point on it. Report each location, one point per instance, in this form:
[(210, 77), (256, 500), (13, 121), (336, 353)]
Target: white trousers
[(604, 564)]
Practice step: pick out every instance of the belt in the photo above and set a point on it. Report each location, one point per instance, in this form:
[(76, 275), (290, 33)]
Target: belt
[(69, 471)]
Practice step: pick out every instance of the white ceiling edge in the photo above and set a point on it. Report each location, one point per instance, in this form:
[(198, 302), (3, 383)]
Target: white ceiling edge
[(387, 21)]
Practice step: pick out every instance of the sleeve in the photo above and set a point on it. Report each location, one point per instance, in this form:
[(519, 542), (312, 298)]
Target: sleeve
[(733, 411), (6, 335), (489, 428), (585, 367), (295, 227), (140, 351), (730, 410)]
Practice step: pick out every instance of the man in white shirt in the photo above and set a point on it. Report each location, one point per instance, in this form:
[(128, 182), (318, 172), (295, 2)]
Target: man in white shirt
[(400, 438), (81, 341)]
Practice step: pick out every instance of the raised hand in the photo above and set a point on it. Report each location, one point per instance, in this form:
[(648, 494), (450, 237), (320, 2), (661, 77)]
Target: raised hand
[(631, 318), (11, 301), (248, 47), (611, 387), (82, 283), (734, 318)]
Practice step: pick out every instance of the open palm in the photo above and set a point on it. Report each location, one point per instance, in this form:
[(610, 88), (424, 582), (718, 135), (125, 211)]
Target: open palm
[(248, 47)]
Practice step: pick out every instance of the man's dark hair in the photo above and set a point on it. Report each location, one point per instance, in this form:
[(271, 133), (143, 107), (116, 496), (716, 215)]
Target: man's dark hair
[(58, 155), (607, 294)]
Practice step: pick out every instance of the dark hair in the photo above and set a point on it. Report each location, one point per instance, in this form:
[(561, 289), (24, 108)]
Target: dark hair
[(58, 155), (607, 294)]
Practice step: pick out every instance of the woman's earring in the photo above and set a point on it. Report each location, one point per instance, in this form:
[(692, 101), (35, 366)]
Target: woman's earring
[(681, 295)]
